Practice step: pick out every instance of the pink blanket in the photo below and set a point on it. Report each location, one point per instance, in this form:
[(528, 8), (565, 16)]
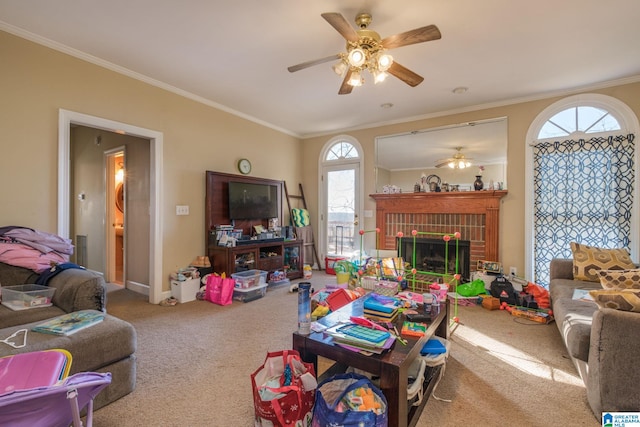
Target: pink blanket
[(21, 255)]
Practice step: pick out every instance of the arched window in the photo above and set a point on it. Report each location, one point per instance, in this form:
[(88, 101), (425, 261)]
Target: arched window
[(342, 150), (581, 180)]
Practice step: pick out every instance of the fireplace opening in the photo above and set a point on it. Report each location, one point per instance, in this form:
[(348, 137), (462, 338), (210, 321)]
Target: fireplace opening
[(430, 256)]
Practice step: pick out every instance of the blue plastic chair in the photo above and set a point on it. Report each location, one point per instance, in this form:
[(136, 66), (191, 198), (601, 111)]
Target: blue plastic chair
[(58, 405)]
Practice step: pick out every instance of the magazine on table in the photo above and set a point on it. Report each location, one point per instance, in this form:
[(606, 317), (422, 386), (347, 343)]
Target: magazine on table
[(70, 323)]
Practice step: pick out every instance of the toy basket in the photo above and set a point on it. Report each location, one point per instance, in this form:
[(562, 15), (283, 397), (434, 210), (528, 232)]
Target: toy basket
[(368, 283), (386, 287)]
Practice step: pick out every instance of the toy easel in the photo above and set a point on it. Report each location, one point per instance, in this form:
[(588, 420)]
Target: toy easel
[(412, 275)]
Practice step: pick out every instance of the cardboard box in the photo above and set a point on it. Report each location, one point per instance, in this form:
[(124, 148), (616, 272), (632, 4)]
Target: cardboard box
[(490, 303), (186, 290)]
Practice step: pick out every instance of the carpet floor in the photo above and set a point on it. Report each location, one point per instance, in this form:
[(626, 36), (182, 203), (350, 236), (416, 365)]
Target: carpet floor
[(195, 360)]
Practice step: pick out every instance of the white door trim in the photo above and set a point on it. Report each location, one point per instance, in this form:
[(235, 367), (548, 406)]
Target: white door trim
[(322, 197), (65, 120)]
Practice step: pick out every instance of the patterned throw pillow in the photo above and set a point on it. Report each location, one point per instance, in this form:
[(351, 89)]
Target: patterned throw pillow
[(620, 279), (624, 300), (587, 261), (300, 217)]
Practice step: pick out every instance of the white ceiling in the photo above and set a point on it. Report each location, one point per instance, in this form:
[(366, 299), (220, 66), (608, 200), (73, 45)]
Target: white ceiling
[(234, 55)]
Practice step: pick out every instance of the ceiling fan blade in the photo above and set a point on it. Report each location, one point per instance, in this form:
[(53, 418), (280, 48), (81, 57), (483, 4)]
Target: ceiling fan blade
[(341, 25), (308, 64), (442, 163), (419, 35), (404, 74), (346, 88)]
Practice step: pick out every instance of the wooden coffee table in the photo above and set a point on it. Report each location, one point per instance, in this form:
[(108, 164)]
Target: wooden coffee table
[(391, 366)]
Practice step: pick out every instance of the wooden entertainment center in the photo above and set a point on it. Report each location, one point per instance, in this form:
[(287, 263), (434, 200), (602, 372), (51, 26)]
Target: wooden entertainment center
[(267, 254)]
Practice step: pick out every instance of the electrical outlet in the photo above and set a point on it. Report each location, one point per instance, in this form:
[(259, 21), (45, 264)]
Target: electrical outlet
[(182, 209), (513, 271)]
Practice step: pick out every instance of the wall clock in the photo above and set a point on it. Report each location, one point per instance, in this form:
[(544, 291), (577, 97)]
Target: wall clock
[(244, 166)]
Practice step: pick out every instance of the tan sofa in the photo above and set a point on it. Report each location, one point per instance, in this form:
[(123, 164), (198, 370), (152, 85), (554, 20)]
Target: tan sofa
[(108, 346), (603, 343)]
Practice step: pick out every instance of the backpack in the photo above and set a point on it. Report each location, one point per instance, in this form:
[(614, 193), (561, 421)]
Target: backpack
[(503, 289)]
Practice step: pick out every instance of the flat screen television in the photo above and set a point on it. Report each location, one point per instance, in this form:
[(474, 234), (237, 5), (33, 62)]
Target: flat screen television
[(253, 201)]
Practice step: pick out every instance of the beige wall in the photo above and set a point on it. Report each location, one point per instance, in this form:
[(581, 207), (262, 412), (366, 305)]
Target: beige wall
[(520, 116), (35, 82)]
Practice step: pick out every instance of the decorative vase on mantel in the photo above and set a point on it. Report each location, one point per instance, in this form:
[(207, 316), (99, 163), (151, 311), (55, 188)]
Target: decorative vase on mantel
[(478, 184)]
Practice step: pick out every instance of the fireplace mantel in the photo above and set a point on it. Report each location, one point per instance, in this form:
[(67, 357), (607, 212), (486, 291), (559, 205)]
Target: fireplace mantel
[(456, 207)]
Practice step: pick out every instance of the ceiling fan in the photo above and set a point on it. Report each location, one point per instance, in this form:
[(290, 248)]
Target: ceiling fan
[(458, 161), (367, 51)]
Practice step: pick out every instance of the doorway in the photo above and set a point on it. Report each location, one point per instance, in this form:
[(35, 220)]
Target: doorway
[(151, 207), (340, 197), (115, 253)]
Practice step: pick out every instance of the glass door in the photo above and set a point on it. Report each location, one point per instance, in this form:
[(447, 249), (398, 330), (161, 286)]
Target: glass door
[(341, 190)]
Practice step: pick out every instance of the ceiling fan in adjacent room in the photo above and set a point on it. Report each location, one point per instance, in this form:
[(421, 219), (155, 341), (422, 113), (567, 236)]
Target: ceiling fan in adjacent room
[(366, 50), (458, 161)]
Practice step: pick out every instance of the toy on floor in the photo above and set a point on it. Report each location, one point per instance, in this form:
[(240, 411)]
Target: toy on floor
[(536, 315), (363, 399)]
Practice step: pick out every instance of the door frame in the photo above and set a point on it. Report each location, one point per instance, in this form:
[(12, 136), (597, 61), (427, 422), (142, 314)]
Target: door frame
[(325, 165), (67, 118), (110, 240)]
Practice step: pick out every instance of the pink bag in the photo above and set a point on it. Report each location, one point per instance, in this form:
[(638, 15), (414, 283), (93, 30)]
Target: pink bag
[(219, 291)]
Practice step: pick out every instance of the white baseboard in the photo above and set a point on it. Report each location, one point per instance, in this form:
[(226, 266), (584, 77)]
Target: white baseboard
[(138, 287)]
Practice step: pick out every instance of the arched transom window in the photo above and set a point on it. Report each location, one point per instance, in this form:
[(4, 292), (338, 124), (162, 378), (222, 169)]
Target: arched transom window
[(342, 150), (585, 119)]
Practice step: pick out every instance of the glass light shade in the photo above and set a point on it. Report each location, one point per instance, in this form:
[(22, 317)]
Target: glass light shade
[(355, 79), (339, 68), (459, 164), (379, 76), (357, 57), (384, 62)]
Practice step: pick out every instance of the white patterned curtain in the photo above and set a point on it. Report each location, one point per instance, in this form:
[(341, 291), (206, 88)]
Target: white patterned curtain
[(583, 192)]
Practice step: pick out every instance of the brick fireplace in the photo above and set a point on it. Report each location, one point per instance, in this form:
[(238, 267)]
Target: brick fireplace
[(475, 214)]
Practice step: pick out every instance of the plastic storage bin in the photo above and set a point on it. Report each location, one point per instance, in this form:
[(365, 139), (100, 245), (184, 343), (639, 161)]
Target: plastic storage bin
[(330, 261), (249, 278), (23, 297), (250, 294)]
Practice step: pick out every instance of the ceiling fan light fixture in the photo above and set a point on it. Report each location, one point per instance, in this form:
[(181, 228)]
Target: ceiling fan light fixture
[(459, 164), (339, 68), (458, 161), (366, 50), (384, 62), (356, 79), (379, 76), (357, 57)]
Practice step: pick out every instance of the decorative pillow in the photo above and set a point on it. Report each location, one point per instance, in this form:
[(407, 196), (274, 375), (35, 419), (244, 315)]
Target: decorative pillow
[(623, 300), (300, 217), (587, 261), (620, 279)]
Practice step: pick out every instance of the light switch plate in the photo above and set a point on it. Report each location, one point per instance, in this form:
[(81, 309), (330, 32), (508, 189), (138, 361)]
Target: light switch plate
[(182, 209)]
